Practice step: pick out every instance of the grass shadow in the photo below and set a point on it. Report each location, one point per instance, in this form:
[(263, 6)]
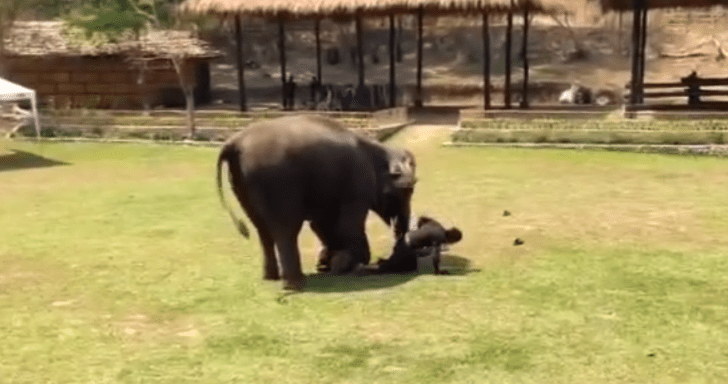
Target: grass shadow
[(25, 160), (366, 279)]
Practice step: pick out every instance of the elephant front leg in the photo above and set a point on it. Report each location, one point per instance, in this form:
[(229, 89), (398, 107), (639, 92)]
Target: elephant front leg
[(355, 251)]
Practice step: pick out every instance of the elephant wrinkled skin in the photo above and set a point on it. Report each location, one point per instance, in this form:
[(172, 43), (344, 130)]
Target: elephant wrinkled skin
[(293, 169)]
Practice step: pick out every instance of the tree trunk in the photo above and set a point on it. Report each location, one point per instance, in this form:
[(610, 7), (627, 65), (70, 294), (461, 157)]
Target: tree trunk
[(190, 102), (187, 89), (142, 83)]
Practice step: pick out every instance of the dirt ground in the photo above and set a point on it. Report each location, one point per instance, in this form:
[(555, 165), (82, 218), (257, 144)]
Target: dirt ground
[(452, 63)]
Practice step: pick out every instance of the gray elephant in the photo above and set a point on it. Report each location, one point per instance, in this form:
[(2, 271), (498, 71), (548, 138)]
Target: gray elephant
[(289, 170)]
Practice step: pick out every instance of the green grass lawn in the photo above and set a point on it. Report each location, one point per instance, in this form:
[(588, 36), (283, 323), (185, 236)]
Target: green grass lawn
[(118, 265)]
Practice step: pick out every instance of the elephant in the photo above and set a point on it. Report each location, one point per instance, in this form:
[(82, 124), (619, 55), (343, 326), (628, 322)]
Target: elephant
[(309, 168)]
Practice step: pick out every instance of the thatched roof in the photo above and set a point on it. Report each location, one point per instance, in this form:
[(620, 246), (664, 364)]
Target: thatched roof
[(626, 5), (335, 8), (51, 38)]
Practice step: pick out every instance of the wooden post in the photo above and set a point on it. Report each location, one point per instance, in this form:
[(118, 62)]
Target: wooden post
[(643, 45), (636, 21), (486, 62), (392, 86), (360, 48), (398, 50), (619, 32), (317, 27), (241, 63), (418, 93), (507, 85), (282, 50), (524, 52)]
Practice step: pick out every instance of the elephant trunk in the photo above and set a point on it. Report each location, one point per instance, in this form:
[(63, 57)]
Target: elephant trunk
[(402, 217), (401, 224)]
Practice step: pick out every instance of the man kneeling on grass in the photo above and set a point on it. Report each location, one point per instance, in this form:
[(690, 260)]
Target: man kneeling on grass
[(428, 238)]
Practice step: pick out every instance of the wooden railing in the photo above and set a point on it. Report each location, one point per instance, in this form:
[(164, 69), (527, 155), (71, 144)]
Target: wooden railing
[(693, 88), (210, 125)]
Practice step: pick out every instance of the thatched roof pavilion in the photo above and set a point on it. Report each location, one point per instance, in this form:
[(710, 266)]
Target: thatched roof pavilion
[(639, 32), (49, 38), (283, 10), (303, 9)]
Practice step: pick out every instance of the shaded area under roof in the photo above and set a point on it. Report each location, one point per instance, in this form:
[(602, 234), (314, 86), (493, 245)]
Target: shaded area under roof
[(301, 9)]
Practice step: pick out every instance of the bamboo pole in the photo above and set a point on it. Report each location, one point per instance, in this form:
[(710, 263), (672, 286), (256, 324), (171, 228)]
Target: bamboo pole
[(282, 50), (507, 85), (643, 46), (636, 21), (241, 63), (392, 86), (360, 48), (317, 28), (524, 51), (486, 62), (418, 96)]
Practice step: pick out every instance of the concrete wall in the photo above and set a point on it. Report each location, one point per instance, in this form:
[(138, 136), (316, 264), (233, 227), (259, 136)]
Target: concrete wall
[(98, 82)]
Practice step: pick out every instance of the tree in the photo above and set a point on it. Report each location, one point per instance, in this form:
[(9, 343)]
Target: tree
[(578, 53), (113, 19)]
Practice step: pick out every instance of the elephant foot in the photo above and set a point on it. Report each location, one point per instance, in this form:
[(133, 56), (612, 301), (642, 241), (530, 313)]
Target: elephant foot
[(270, 271), (271, 276), (324, 261), (342, 262)]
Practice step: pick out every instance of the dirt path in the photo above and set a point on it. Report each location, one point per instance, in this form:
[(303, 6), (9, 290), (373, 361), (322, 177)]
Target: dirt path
[(419, 137)]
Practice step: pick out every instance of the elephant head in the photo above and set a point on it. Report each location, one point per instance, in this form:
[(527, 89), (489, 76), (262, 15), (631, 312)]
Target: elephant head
[(397, 187)]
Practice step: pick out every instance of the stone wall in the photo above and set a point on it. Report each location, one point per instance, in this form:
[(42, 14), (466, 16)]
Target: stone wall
[(99, 82)]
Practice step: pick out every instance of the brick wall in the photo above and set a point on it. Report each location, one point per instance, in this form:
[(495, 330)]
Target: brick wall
[(95, 82)]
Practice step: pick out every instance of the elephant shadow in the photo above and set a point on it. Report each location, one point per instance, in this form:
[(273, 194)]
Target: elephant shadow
[(365, 279)]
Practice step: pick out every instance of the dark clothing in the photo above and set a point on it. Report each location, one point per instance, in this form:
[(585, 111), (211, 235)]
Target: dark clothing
[(408, 248)]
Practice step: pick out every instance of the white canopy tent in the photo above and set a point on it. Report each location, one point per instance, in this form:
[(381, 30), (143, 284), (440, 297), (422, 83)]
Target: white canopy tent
[(10, 91)]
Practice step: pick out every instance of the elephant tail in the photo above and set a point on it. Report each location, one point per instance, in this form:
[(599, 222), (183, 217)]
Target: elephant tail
[(230, 154)]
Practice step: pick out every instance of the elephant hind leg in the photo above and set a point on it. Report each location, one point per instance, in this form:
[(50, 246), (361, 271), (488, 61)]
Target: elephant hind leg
[(270, 265), (290, 260)]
